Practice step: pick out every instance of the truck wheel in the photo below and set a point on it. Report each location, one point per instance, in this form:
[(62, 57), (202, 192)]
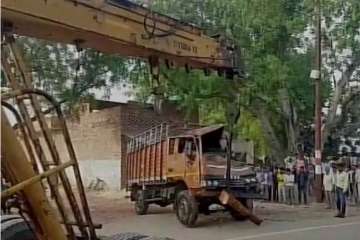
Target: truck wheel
[(186, 208), (247, 203), (141, 206)]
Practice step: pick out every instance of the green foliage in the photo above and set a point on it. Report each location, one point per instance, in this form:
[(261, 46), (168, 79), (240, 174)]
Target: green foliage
[(68, 74), (266, 32), (249, 127)]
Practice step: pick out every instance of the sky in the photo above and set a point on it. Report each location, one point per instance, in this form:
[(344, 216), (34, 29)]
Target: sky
[(121, 93)]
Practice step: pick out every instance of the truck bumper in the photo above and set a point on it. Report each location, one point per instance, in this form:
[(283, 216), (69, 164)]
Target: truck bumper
[(250, 192), (247, 194)]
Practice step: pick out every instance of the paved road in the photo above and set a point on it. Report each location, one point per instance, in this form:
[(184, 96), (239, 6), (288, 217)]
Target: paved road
[(280, 223)]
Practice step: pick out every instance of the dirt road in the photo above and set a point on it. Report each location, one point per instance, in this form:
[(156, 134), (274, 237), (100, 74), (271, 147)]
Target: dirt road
[(281, 222)]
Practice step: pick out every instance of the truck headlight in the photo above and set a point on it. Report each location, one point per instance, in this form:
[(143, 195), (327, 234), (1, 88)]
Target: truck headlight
[(203, 183), (247, 180), (253, 180), (215, 183), (209, 183)]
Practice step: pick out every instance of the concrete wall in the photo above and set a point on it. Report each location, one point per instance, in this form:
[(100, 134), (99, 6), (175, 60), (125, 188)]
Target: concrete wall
[(106, 170), (96, 138)]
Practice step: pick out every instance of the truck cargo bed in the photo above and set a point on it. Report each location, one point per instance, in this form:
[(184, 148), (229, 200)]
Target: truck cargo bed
[(146, 155)]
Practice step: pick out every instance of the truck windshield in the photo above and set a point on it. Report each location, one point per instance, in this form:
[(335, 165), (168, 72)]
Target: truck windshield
[(214, 142)]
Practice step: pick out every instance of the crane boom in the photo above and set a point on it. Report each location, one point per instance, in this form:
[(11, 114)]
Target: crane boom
[(117, 27)]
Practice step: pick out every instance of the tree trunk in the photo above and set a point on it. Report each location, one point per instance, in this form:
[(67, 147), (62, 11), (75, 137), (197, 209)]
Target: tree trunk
[(277, 151), (291, 122), (335, 103)]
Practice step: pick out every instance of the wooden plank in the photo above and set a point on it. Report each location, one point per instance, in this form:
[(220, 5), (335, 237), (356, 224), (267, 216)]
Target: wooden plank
[(15, 159), (228, 199), (20, 186)]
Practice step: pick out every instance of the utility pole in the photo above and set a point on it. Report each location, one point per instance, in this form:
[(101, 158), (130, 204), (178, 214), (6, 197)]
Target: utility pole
[(316, 75)]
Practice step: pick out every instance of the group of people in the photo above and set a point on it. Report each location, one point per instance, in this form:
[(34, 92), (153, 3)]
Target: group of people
[(340, 186), (282, 185), (294, 185)]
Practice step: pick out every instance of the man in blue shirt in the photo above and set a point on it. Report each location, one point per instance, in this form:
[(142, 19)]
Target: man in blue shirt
[(302, 182)]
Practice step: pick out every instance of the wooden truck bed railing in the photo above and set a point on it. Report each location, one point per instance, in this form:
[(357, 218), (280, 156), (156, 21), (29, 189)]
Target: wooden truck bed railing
[(145, 155)]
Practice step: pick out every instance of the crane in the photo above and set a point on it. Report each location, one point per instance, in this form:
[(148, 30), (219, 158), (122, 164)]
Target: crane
[(110, 26), (118, 27)]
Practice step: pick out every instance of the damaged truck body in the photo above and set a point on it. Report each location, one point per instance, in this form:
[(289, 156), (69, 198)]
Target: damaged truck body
[(187, 168)]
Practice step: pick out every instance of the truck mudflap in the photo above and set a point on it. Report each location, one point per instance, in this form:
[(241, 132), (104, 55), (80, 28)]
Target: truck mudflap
[(228, 199)]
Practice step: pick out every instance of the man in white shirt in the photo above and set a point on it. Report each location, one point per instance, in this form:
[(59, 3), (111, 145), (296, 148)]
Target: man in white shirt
[(342, 185), (265, 183), (328, 183), (289, 180)]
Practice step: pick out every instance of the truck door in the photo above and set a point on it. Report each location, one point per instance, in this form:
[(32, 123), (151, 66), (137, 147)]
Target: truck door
[(183, 161), (191, 161)]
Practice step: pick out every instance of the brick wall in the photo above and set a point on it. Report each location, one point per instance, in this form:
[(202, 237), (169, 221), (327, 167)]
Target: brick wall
[(136, 117), (97, 135)]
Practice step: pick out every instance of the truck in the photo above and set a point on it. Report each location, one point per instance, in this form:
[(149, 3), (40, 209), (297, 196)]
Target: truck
[(186, 168)]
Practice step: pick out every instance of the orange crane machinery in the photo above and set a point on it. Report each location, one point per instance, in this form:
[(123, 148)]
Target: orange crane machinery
[(110, 26)]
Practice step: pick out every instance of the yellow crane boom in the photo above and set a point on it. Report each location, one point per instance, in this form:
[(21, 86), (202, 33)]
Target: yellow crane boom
[(117, 27)]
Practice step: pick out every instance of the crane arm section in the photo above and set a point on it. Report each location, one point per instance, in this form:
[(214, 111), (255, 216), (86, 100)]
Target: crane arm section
[(116, 27)]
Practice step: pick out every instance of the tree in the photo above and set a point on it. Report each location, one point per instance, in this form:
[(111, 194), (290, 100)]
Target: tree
[(267, 32), (342, 64), (69, 74)]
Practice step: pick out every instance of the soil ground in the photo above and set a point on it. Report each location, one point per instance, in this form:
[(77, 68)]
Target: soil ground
[(116, 214)]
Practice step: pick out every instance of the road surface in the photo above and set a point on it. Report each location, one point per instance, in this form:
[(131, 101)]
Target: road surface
[(281, 222)]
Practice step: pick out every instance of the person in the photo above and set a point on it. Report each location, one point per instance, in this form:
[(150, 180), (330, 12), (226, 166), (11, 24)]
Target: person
[(260, 178), (302, 182), (270, 185), (310, 179), (295, 172), (275, 185), (357, 180), (290, 186), (333, 171), (264, 183), (352, 191), (328, 184), (342, 185), (281, 186)]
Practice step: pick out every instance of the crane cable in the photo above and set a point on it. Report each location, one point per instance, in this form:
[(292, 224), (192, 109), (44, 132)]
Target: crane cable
[(151, 27), (79, 53)]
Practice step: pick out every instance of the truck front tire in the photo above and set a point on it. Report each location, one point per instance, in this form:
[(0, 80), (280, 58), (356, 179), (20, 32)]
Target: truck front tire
[(186, 208), (141, 206)]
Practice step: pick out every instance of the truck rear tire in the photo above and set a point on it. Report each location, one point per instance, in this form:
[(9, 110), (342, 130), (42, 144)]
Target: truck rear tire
[(141, 206), (187, 209), (247, 203)]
